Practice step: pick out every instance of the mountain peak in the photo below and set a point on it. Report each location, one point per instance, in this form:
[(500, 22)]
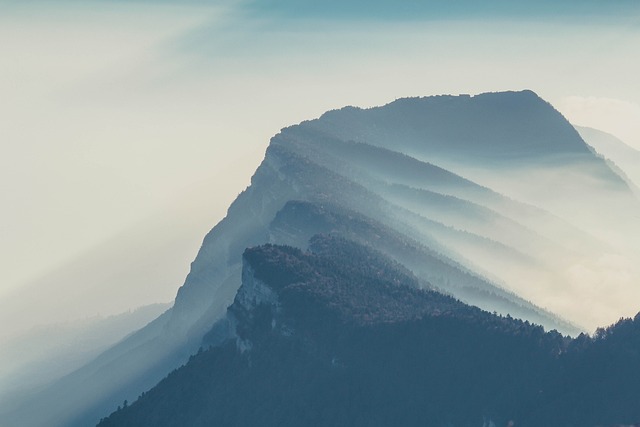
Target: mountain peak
[(497, 126)]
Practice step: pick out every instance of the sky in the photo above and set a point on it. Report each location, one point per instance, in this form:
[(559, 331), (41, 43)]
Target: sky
[(140, 121)]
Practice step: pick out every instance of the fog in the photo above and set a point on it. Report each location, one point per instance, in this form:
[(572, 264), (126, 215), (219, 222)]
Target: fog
[(129, 127), (44, 354), (112, 109), (593, 261)]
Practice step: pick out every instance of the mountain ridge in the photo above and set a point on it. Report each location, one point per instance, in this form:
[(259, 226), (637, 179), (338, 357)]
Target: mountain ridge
[(308, 164), (495, 122)]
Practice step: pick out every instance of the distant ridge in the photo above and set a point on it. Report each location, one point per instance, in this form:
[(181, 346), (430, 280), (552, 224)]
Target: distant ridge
[(623, 155)]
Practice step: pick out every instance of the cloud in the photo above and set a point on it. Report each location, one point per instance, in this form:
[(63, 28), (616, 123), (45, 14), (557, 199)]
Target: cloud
[(113, 107), (77, 168)]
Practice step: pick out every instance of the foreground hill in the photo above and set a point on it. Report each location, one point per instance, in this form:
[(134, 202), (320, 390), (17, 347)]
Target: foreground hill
[(342, 336)]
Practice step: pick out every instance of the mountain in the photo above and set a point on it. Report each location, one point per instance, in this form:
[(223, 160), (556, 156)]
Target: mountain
[(491, 127), (342, 336), (30, 361), (624, 156), (514, 142), (416, 181)]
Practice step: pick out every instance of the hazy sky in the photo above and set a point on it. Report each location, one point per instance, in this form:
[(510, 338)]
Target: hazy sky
[(113, 112)]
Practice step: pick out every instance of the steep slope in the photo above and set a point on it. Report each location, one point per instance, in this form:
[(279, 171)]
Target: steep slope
[(287, 175), (299, 221), (341, 336), (464, 238), (430, 191)]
